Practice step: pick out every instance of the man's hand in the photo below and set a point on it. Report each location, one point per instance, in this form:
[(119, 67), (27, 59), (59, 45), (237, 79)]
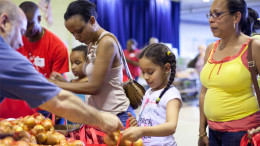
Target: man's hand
[(109, 123)]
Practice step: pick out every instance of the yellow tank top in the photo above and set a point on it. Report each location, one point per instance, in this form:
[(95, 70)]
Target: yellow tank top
[(230, 94)]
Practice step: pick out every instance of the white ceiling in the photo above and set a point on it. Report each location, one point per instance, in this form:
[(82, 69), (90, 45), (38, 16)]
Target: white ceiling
[(195, 10)]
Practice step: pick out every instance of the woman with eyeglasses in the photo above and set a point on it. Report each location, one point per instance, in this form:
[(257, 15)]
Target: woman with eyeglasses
[(228, 104)]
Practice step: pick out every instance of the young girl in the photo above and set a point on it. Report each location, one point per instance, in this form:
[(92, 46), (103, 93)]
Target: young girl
[(162, 101), (77, 59)]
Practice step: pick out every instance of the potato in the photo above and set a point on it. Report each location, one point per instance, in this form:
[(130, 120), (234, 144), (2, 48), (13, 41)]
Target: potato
[(108, 141), (33, 139), (29, 121), (52, 139), (60, 136), (21, 143), (41, 118), (6, 141), (114, 142), (47, 124), (38, 129), (41, 138), (24, 134)]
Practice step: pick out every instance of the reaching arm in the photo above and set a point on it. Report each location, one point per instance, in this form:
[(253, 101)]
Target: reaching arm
[(106, 58), (165, 129), (135, 63), (69, 106)]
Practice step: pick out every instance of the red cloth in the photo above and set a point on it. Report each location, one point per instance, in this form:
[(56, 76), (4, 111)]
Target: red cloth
[(135, 70), (10, 108), (47, 55), (244, 124)]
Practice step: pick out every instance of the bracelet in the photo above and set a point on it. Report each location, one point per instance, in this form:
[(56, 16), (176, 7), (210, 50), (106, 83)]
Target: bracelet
[(203, 135)]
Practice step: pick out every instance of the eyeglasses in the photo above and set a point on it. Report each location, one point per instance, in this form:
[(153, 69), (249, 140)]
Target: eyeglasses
[(215, 15)]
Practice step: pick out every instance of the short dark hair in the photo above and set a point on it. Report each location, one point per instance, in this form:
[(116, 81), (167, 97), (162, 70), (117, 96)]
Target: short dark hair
[(83, 8), (82, 48), (29, 7), (133, 41)]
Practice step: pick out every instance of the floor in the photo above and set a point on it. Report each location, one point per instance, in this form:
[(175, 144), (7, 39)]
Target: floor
[(188, 124)]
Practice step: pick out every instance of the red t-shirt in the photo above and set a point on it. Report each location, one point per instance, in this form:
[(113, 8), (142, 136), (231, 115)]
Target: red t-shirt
[(47, 55), (135, 70)]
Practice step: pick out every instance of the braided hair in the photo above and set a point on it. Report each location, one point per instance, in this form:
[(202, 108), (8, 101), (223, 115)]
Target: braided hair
[(160, 54)]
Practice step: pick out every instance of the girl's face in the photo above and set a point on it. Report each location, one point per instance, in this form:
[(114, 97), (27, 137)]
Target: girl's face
[(154, 75), (223, 21), (77, 59), (81, 30)]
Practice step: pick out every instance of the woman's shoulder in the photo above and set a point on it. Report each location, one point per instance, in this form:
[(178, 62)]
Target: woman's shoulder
[(208, 50), (107, 38), (256, 46), (210, 47)]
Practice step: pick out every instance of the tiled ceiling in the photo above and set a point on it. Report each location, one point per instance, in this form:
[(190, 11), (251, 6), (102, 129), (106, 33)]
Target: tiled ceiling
[(194, 10)]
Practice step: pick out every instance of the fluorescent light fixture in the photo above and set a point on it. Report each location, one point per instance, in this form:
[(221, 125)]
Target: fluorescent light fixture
[(206, 1)]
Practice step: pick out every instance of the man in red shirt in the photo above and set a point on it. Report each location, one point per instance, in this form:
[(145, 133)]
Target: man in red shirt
[(131, 54), (44, 50)]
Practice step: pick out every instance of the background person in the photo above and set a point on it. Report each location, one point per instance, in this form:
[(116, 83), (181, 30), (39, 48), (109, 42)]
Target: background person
[(153, 40), (20, 80), (131, 55), (255, 23), (78, 57), (198, 61), (103, 66), (228, 104)]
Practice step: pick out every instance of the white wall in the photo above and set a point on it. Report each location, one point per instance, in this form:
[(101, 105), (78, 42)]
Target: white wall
[(191, 36), (58, 8)]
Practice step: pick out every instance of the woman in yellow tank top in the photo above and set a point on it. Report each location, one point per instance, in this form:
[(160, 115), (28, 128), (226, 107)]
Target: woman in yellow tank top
[(227, 101)]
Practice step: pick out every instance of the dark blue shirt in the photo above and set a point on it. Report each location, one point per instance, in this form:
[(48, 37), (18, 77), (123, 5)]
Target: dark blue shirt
[(20, 80)]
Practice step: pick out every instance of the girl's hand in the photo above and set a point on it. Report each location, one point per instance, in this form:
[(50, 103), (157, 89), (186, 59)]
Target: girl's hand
[(132, 134), (132, 121), (57, 76)]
